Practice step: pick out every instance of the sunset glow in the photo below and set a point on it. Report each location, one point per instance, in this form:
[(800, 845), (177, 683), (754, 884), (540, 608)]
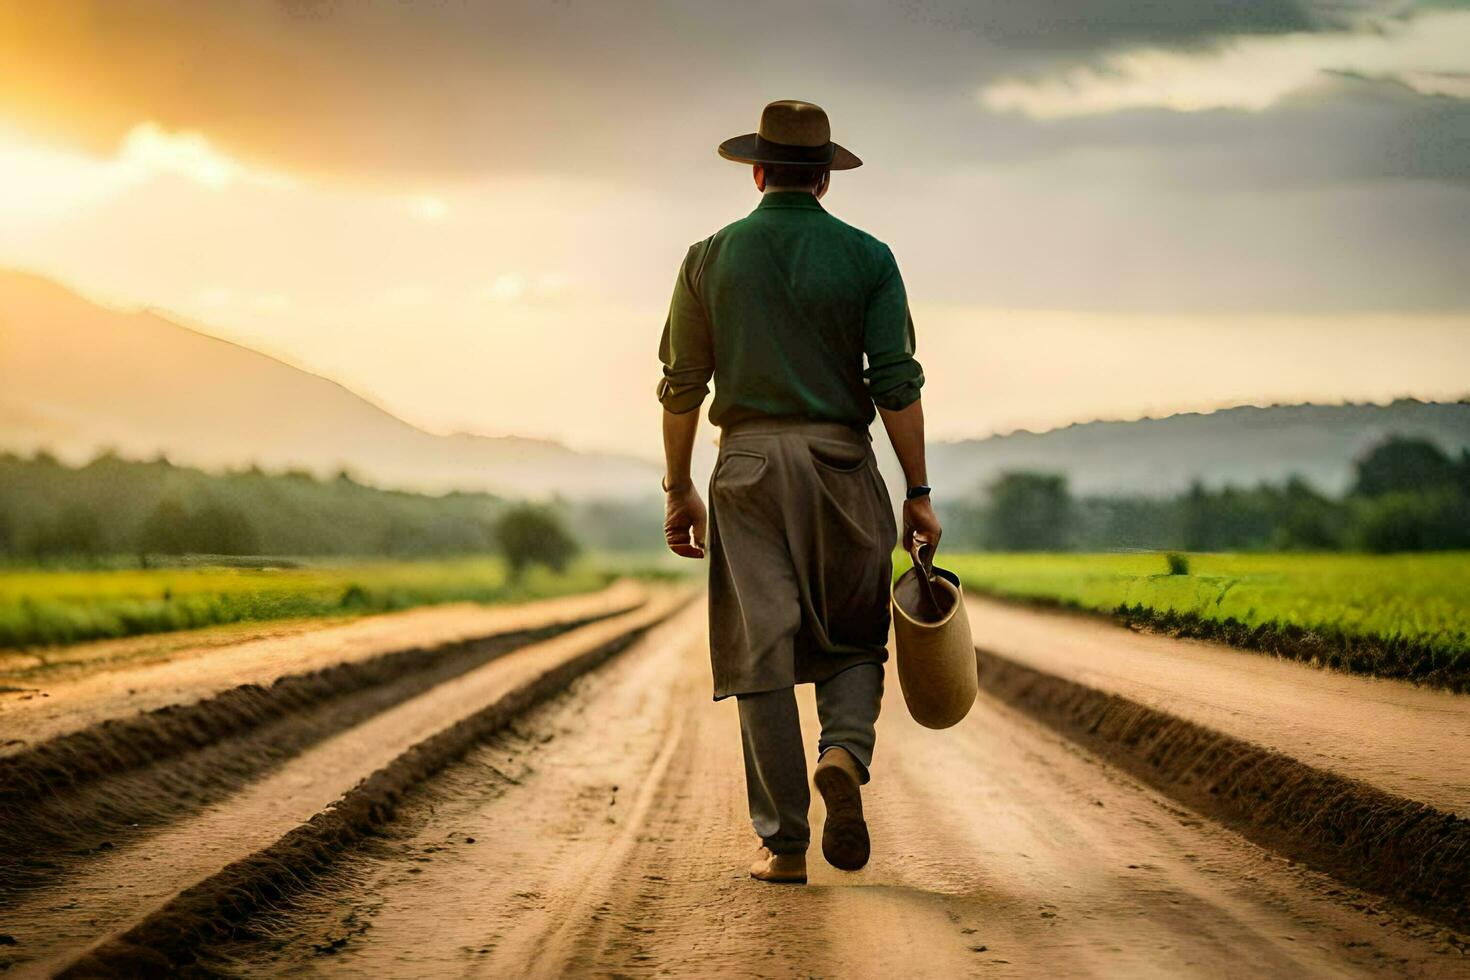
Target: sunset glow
[(468, 250)]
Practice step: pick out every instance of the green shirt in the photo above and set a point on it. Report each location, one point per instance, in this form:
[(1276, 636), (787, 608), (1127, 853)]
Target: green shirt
[(793, 313)]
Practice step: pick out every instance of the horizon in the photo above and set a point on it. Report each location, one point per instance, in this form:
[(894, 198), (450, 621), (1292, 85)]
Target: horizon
[(639, 450), (1126, 216), (368, 398)]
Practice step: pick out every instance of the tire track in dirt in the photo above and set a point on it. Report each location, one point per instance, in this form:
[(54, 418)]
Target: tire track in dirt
[(581, 824), (119, 889), (610, 838), (682, 903), (1048, 861), (59, 817), (98, 789)]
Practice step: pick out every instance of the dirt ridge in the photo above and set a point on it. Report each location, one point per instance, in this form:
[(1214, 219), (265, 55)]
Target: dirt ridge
[(1395, 658), (170, 939), (1407, 851), (74, 774)]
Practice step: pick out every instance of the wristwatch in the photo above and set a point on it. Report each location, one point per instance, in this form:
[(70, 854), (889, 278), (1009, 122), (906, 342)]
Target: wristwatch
[(915, 493)]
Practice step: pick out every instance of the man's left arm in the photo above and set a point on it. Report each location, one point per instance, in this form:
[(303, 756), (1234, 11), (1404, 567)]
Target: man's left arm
[(893, 374), (894, 378)]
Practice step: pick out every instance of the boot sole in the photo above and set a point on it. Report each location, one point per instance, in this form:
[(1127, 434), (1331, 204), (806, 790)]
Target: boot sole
[(845, 842), (781, 881)]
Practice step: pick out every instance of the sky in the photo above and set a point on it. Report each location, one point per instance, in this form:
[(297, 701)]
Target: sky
[(473, 212)]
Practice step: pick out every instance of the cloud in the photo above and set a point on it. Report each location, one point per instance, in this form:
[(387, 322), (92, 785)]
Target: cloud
[(427, 207), (1455, 84), (435, 141), (1425, 54), (506, 288), (148, 150), (40, 182), (379, 88), (1093, 25), (1339, 130), (417, 94)]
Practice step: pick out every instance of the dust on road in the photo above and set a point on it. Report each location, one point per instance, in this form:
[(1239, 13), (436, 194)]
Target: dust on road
[(605, 833)]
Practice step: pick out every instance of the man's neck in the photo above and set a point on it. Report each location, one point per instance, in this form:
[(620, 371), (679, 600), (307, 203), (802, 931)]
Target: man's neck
[(788, 190)]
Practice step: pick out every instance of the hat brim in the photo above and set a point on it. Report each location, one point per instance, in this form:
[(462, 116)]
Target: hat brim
[(750, 148)]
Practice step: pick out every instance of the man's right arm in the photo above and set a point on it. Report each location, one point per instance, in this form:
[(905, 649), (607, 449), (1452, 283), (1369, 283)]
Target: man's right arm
[(687, 353), (687, 347)]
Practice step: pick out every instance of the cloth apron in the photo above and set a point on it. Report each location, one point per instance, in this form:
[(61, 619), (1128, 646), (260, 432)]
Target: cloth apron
[(801, 537)]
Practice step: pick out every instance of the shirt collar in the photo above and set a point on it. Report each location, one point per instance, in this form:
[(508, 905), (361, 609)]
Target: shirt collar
[(790, 199)]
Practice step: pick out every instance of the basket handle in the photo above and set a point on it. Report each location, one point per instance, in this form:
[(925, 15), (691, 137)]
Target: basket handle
[(922, 554)]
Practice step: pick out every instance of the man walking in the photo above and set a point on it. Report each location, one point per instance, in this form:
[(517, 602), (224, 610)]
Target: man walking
[(803, 324)]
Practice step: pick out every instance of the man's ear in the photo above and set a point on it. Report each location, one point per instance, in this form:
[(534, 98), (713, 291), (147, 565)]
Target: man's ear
[(759, 173)]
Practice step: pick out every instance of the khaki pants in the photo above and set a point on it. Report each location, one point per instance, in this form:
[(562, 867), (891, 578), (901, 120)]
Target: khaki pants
[(775, 760), (801, 536)]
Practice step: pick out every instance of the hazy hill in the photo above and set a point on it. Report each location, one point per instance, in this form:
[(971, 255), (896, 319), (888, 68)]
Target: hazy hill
[(76, 378), (1237, 445)]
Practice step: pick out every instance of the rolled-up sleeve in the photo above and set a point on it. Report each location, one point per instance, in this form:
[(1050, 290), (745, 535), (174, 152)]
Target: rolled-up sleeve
[(893, 375), (687, 346)]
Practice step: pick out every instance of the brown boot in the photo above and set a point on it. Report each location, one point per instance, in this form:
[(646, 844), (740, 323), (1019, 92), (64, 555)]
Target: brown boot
[(782, 869), (845, 836)]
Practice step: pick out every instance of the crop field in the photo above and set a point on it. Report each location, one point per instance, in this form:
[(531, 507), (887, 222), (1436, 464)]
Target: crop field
[(1390, 615), (40, 607)]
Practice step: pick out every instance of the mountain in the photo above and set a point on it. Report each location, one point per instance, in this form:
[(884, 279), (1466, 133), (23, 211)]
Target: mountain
[(76, 378), (1240, 446)]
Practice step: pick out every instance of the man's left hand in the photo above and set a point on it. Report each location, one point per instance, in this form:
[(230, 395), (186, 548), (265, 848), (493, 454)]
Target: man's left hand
[(685, 520), (919, 519)]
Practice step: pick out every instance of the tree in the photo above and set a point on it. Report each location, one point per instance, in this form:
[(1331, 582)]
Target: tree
[(1229, 519), (8, 535), (1307, 521), (1029, 512), (1413, 522), (531, 535), (76, 531), (1136, 522), (221, 529), (965, 522), (1404, 465), (166, 530)]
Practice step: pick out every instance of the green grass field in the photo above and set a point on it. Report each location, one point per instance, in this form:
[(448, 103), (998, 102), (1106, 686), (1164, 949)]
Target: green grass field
[(1392, 615), (49, 607)]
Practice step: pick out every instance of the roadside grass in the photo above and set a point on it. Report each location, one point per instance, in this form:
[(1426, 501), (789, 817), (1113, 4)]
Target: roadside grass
[(39, 607), (1401, 616)]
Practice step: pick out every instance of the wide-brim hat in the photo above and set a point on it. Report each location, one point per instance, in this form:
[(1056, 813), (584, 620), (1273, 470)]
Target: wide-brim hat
[(791, 132)]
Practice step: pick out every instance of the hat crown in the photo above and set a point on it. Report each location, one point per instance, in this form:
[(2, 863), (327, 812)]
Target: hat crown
[(795, 123)]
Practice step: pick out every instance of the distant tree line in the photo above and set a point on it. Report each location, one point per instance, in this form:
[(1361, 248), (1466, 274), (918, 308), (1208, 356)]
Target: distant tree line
[(1407, 495), (51, 512)]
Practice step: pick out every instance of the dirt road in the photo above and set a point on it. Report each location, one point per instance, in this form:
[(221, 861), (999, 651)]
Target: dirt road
[(604, 833)]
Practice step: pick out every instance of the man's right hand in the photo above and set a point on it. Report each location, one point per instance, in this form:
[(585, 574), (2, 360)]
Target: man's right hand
[(684, 522), (919, 518)]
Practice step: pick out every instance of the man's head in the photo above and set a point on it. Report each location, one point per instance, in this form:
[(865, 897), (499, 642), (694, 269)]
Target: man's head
[(791, 177), (792, 149)]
